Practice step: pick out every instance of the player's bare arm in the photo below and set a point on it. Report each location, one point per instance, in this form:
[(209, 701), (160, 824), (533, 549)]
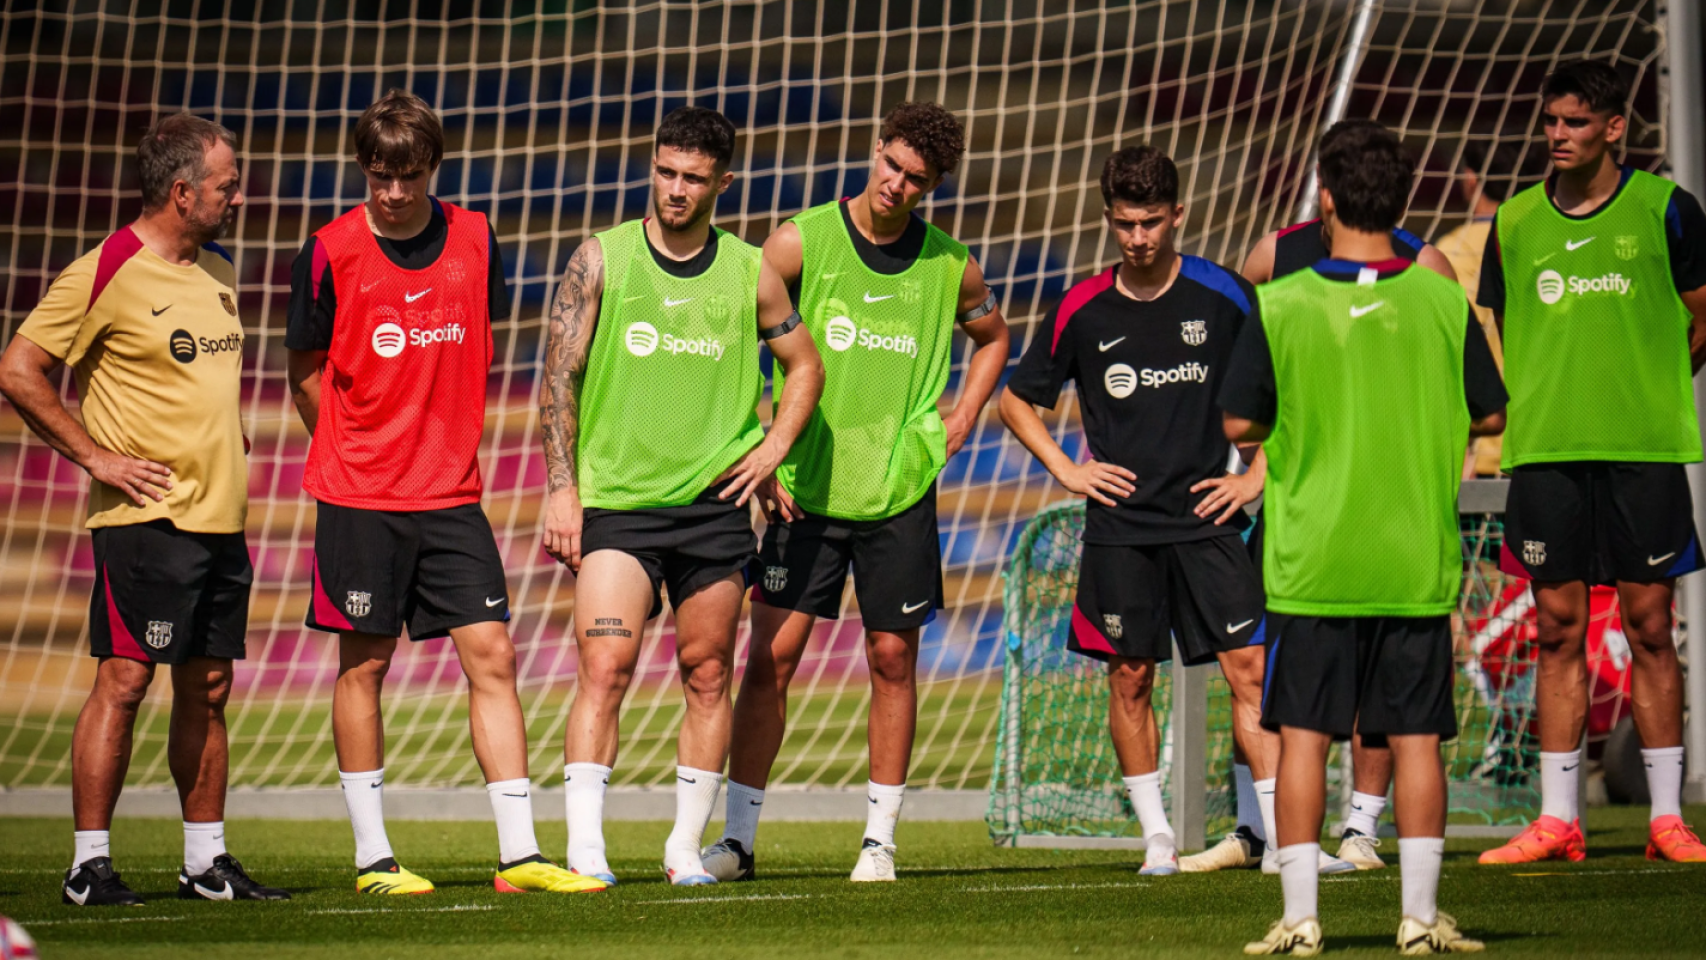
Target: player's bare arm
[(802, 371), (26, 379), (1490, 425), (988, 330), (568, 338), (1232, 492), (784, 258), (1431, 258), (1695, 301), (303, 369), (1091, 478), (1244, 430)]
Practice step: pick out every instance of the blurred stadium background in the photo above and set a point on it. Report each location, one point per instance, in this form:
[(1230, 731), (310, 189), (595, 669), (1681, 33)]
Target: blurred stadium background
[(548, 107)]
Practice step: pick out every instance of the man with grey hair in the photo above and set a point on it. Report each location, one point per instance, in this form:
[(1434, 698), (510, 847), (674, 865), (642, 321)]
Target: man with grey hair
[(148, 323)]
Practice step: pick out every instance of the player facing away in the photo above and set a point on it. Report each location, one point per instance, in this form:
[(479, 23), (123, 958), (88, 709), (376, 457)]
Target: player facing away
[(882, 290), (654, 447), (148, 323), (1280, 254), (1363, 377), (1598, 276), (1147, 343), (390, 338)]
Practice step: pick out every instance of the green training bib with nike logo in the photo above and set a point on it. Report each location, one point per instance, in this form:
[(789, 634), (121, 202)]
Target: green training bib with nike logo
[(1367, 445), (670, 397), (1596, 337), (875, 443)]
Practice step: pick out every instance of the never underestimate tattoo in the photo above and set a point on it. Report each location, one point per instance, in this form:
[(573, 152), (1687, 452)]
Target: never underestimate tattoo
[(568, 336)]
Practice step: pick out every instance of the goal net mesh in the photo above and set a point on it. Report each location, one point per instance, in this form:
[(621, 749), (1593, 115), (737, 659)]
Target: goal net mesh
[(549, 110)]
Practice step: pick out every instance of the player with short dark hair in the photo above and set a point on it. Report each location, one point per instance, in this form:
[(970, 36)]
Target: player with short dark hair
[(884, 291), (1598, 277), (390, 340), (1363, 377), (655, 319), (1147, 343), (148, 323)]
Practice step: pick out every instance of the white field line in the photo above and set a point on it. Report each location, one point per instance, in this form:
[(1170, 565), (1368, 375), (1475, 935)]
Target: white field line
[(758, 896)]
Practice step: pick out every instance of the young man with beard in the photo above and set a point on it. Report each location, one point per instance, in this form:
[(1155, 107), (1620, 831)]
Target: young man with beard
[(654, 447), (148, 322), (1147, 343), (882, 290)]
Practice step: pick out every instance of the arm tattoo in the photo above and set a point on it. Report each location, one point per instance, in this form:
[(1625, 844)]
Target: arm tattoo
[(567, 340)]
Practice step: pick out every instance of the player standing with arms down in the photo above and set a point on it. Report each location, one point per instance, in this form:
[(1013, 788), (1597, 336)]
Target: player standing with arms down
[(148, 322), (882, 290), (1147, 343), (1363, 377), (1598, 276), (652, 438), (390, 339)]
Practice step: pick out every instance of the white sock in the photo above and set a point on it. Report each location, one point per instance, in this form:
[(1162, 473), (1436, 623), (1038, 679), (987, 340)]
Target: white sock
[(90, 844), (1559, 773), (1365, 813), (202, 842), (1300, 877), (1265, 798), (741, 814), (1145, 792), (583, 795), (1249, 813), (884, 811), (1418, 861), (512, 808), (695, 798), (1664, 780), (364, 798)]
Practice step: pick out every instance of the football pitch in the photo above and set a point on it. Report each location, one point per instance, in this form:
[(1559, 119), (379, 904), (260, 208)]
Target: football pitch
[(958, 897)]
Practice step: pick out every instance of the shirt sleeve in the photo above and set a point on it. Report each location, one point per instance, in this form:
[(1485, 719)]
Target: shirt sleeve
[(1249, 390), (1045, 367), (313, 302), (1483, 388), (497, 290), (1490, 292), (1685, 233), (57, 323)]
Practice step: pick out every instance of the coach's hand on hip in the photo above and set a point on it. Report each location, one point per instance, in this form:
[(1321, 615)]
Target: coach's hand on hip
[(137, 478), (1096, 480), (563, 517)]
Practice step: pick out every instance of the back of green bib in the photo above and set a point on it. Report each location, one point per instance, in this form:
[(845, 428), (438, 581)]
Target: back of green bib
[(875, 443), (670, 398), (1367, 446)]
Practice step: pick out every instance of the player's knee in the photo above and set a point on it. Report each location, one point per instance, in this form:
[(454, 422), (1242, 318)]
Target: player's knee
[(215, 688), (603, 677), (1650, 636), (1132, 681), (492, 661), (891, 659), (706, 681), (124, 687)]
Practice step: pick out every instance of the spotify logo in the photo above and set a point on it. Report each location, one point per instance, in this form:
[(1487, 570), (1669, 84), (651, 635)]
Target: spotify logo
[(1550, 286), (388, 340), (182, 346), (642, 339), (840, 333), (1120, 380)]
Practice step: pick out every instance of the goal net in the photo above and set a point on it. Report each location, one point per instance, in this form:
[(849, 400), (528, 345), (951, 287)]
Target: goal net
[(549, 117)]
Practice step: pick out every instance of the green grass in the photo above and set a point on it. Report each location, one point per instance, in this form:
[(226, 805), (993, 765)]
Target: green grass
[(958, 897)]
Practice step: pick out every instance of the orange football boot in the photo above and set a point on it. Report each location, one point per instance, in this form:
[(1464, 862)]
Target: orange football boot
[(1672, 840), (1547, 838)]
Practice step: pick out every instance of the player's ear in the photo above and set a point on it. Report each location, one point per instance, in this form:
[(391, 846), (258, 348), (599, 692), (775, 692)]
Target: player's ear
[(724, 182), (1615, 127), (1178, 215), (1324, 203)]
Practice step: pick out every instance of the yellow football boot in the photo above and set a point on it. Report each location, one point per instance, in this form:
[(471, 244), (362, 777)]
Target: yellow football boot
[(385, 876), (539, 875)]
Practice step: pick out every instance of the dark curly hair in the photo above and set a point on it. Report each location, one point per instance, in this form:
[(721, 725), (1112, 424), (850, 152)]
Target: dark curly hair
[(1366, 169), (1594, 83), (929, 129), (699, 130), (1140, 175)]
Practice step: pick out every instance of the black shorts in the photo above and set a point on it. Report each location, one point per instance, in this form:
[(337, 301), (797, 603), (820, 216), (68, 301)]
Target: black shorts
[(1253, 543), (1133, 601), (434, 570), (897, 566), (1380, 676), (1600, 522), (163, 595), (686, 548)]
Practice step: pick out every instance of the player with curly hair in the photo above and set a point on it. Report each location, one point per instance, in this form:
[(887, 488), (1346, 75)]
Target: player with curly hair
[(881, 290)]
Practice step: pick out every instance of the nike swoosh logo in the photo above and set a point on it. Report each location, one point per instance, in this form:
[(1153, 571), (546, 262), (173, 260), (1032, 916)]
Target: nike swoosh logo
[(163, 309), (632, 299), (369, 286), (1571, 767), (375, 785), (871, 798), (412, 297), (756, 803), (1545, 258), (82, 898), (1578, 244), (223, 893), (1235, 627), (1655, 561), (678, 777), (676, 303), (1360, 311), (519, 796), (831, 276), (913, 607), (492, 603), (1103, 347), (871, 299)]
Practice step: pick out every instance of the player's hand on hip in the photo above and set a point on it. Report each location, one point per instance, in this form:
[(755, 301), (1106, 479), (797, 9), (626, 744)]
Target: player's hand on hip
[(563, 519), (742, 479), (1227, 495), (778, 506), (141, 480), (1098, 480)]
